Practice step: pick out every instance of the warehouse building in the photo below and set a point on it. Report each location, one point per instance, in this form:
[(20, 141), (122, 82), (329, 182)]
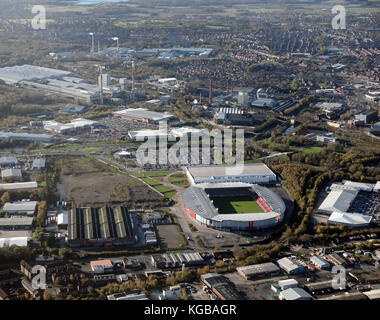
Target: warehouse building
[(320, 288), (287, 283), (101, 266), (33, 137), (142, 135), (143, 115), (221, 286), (24, 223), (247, 173), (17, 74), (177, 260), (295, 294), (345, 200), (75, 126), (8, 161), (104, 226), (20, 208), (289, 265), (257, 271), (11, 173), (73, 109), (320, 263), (38, 164), (19, 185)]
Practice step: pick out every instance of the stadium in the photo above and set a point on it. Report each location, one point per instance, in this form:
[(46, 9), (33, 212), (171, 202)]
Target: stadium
[(234, 206)]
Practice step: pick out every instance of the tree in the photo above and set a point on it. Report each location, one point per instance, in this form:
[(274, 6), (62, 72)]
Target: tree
[(6, 197), (47, 295)]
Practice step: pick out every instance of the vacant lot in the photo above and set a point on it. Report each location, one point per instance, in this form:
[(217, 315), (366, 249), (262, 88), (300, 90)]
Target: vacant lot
[(169, 236), (86, 180), (236, 205)]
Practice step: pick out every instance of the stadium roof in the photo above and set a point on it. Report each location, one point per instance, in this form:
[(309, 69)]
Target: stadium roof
[(17, 241), (196, 199), (212, 171), (143, 113), (352, 219)]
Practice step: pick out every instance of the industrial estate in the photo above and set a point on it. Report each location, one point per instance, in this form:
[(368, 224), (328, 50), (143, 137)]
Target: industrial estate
[(215, 150)]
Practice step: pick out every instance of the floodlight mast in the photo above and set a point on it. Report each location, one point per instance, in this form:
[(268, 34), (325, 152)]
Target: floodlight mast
[(92, 42)]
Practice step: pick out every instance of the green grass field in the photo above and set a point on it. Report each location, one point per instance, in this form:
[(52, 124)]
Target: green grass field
[(236, 205)]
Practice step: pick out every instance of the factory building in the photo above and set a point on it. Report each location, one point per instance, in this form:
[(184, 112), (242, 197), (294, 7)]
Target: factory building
[(101, 266), (257, 271), (221, 286), (233, 116), (104, 226)]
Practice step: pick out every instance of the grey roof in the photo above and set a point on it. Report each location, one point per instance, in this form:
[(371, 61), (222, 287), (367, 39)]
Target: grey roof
[(12, 172), (39, 163), (318, 261), (212, 171), (25, 136), (8, 160), (288, 264), (21, 206), (29, 72), (144, 113), (296, 294), (16, 221), (268, 267), (18, 185)]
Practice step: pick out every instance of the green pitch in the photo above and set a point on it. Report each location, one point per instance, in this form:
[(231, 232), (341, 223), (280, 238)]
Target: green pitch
[(236, 205)]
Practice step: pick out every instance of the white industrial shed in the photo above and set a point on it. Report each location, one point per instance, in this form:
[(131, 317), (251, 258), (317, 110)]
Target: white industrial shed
[(338, 200), (349, 219), (18, 185), (16, 241), (295, 294), (62, 219)]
